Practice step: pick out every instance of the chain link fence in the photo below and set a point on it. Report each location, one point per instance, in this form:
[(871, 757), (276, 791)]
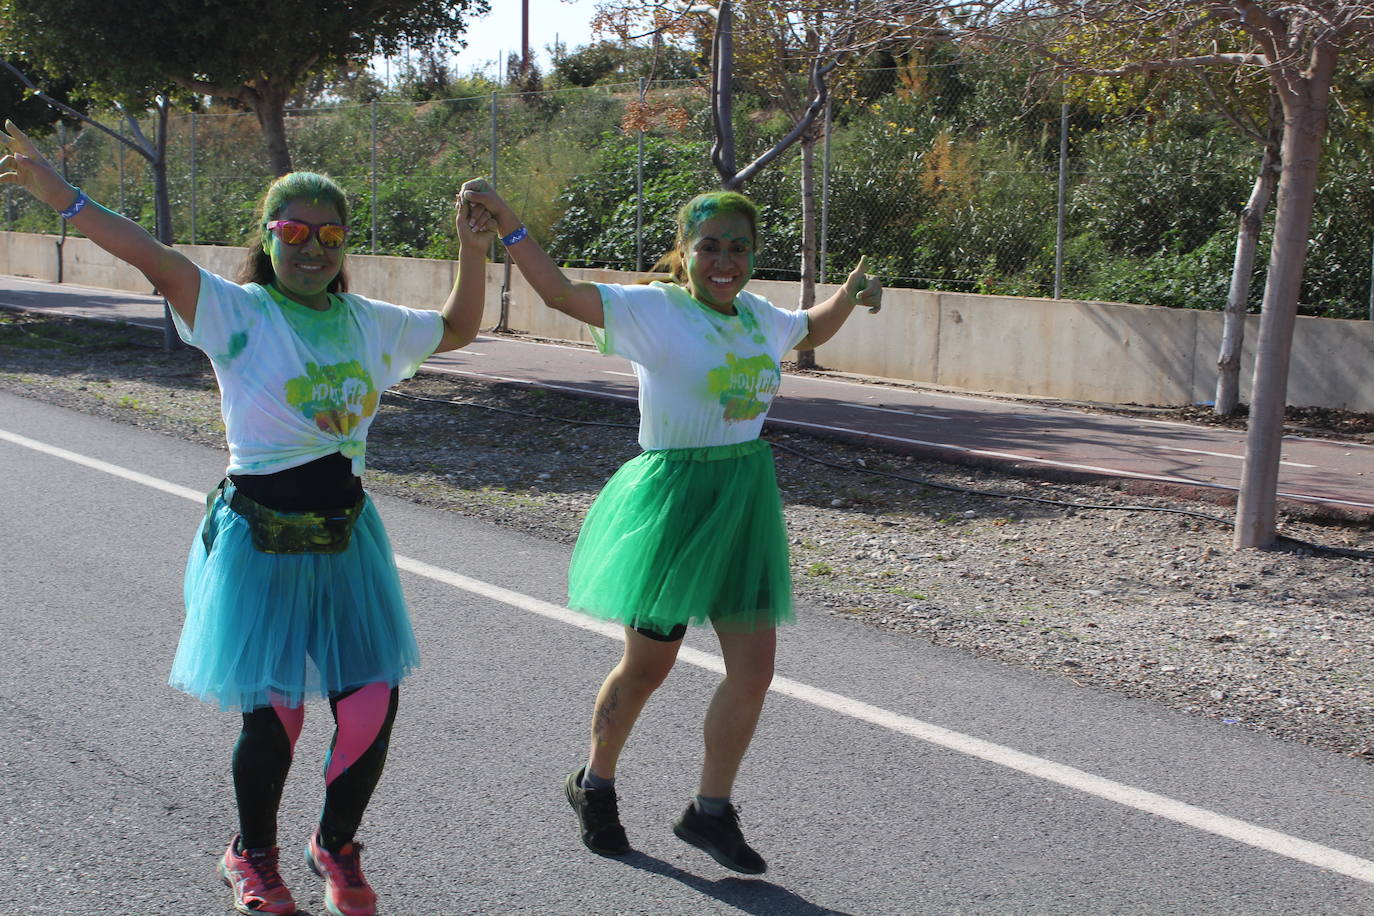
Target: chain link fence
[(945, 177)]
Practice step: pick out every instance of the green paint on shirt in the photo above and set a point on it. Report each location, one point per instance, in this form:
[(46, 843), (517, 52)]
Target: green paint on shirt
[(738, 383), (319, 328), (336, 397), (237, 344)]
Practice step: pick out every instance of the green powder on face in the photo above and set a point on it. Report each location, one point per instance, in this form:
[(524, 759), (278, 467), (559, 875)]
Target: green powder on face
[(700, 211)]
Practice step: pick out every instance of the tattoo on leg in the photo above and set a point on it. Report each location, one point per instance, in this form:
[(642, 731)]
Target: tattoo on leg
[(605, 712)]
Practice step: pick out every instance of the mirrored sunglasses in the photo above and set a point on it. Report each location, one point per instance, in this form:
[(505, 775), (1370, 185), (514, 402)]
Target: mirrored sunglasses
[(295, 232)]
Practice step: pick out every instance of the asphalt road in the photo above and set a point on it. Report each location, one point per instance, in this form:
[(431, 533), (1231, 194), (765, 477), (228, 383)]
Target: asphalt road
[(954, 426), (888, 777)]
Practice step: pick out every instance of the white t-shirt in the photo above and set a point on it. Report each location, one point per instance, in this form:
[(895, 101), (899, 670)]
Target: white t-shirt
[(704, 378), (297, 384)]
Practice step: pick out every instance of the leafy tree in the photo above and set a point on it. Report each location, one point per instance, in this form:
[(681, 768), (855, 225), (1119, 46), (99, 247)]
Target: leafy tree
[(1296, 47), (22, 106), (256, 54), (608, 61), (127, 85), (799, 46)]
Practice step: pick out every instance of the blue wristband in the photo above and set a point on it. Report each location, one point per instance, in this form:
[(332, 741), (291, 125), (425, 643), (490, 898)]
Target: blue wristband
[(517, 235), (77, 205)]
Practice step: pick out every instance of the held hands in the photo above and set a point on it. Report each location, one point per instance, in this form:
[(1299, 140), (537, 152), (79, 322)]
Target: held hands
[(485, 208), (25, 166), (463, 222), (865, 290)]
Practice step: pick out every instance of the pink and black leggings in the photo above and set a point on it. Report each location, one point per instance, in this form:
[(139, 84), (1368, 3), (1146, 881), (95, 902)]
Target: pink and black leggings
[(262, 757)]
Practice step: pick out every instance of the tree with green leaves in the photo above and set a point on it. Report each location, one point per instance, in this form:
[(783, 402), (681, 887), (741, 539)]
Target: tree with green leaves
[(1296, 47), (124, 84), (1250, 105), (255, 54)]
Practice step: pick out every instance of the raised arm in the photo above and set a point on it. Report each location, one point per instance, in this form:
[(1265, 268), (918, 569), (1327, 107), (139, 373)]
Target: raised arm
[(827, 317), (174, 275), (463, 309), (579, 300)]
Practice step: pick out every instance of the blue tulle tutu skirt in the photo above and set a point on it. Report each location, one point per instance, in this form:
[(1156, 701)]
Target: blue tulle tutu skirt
[(280, 627)]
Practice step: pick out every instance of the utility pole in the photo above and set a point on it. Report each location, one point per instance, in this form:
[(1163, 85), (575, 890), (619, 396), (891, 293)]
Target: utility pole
[(524, 37)]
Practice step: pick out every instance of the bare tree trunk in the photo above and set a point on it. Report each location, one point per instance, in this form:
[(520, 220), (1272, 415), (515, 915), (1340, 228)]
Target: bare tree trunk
[(161, 195), (270, 107), (1243, 269), (806, 359), (1305, 105), (723, 97)]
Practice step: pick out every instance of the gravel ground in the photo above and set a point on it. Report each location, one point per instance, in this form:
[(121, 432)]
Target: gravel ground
[(1135, 593)]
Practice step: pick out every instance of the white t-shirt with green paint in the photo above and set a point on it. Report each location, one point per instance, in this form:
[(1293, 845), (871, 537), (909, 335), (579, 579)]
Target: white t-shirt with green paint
[(297, 384), (704, 378)]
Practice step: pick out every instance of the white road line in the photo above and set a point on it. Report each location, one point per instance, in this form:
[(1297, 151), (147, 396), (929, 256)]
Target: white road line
[(1333, 443), (138, 320), (540, 343), (531, 383), (614, 372), (904, 413), (1198, 451), (98, 465), (1112, 472), (1161, 806)]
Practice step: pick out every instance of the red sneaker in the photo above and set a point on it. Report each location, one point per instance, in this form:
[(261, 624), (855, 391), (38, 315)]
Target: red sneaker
[(346, 891), (257, 886)]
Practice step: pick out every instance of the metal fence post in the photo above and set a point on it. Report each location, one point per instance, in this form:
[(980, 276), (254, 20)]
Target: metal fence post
[(374, 177), (639, 189), (122, 210), (503, 321), (62, 223), (193, 178), (1371, 282), (493, 138), (492, 143), (1063, 188), (825, 191)]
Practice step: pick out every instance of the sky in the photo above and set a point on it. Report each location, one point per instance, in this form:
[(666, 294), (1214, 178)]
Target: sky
[(497, 33)]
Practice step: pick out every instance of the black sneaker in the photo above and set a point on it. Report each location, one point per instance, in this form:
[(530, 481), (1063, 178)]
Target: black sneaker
[(720, 838), (598, 817)]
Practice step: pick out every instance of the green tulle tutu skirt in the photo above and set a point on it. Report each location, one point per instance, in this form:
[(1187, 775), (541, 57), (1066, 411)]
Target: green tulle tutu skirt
[(686, 536)]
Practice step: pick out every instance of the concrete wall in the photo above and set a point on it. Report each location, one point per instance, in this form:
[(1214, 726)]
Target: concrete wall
[(1084, 351)]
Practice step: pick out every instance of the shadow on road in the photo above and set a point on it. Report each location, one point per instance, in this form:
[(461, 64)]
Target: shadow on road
[(749, 895)]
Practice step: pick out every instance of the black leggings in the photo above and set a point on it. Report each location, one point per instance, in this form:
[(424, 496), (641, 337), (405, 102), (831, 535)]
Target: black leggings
[(262, 758)]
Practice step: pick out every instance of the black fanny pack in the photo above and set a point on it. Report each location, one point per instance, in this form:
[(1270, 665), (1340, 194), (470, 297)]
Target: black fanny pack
[(288, 532)]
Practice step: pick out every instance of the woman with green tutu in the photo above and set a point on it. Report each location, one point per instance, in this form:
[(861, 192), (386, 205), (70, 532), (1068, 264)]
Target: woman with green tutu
[(690, 531), (291, 586)]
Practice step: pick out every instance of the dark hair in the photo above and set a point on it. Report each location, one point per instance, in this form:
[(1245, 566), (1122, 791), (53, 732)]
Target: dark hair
[(697, 211), (257, 264)]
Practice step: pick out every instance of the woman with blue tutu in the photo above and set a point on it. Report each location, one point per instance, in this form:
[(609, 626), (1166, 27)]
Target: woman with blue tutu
[(291, 587), (690, 531)]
